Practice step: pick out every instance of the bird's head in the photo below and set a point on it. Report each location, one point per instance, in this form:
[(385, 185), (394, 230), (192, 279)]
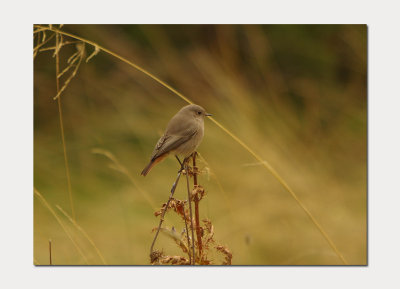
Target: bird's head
[(195, 111)]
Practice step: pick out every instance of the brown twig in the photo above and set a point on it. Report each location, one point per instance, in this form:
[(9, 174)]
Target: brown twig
[(184, 217), (50, 259), (187, 235), (196, 207)]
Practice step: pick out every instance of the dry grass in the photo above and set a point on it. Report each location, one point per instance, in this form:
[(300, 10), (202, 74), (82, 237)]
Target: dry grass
[(74, 62), (72, 231)]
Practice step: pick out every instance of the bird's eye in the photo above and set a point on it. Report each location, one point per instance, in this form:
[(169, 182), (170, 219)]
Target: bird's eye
[(199, 112)]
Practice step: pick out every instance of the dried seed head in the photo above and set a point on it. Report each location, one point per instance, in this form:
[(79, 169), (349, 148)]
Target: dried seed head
[(198, 193), (174, 260), (228, 255), (155, 256)]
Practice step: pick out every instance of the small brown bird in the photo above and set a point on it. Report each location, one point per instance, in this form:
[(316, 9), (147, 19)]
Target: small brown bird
[(183, 135)]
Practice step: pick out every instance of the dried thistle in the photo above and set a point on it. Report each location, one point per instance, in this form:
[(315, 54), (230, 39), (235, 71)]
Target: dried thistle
[(198, 193), (208, 243), (204, 242)]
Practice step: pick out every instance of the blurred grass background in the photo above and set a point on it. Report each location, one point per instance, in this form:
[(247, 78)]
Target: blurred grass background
[(296, 94)]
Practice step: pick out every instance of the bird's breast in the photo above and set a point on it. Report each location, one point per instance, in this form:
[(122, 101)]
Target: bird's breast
[(187, 148)]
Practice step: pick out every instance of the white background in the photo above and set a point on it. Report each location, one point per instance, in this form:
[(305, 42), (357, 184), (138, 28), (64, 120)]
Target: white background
[(16, 162)]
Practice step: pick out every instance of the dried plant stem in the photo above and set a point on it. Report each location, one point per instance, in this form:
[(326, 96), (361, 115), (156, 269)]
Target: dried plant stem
[(198, 232), (37, 47), (187, 236), (190, 210), (196, 207), (50, 260), (184, 218), (62, 130)]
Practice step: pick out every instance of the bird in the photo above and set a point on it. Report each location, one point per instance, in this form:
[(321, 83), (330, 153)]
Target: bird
[(182, 136)]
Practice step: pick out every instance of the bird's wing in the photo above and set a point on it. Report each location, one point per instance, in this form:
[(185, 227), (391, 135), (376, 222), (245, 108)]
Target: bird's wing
[(179, 130), (168, 143)]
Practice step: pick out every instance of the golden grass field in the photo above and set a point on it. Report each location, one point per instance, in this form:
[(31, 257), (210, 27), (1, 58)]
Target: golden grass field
[(295, 94)]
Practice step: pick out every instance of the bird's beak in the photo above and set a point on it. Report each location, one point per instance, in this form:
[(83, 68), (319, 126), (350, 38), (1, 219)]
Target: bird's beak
[(208, 114)]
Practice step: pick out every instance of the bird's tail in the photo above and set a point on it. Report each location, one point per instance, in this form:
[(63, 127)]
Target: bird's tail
[(152, 163), (147, 168)]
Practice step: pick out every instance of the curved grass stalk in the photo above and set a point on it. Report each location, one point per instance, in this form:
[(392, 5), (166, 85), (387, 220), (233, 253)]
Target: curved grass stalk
[(239, 141), (71, 203), (80, 229), (222, 190), (98, 47), (46, 204), (116, 165)]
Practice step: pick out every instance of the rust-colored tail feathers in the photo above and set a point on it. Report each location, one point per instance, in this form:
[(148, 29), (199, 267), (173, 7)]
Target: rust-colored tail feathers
[(152, 163)]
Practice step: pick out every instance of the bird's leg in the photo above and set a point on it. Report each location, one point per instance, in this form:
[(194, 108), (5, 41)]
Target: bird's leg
[(185, 164), (179, 161), (185, 161), (179, 172)]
